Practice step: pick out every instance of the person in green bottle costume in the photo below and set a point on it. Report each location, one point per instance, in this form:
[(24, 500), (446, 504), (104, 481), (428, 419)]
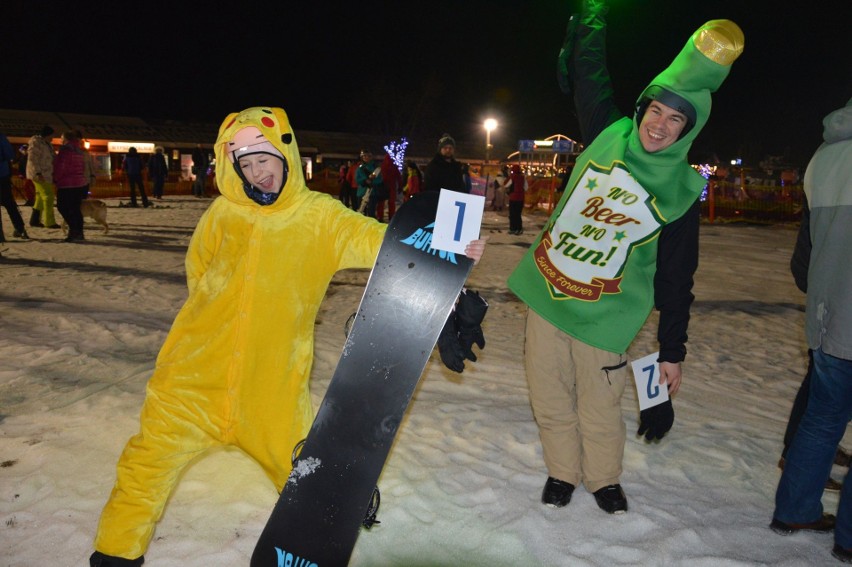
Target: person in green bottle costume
[(622, 240)]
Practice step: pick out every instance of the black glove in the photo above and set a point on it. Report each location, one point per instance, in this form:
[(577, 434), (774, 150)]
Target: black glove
[(470, 312), (449, 347), (656, 421)]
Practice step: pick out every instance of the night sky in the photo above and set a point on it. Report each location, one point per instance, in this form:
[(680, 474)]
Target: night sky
[(419, 68)]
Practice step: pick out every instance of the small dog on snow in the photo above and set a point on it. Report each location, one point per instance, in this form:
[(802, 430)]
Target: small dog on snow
[(95, 209)]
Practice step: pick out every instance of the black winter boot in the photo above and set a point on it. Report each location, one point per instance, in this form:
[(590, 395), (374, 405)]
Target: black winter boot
[(35, 219), (98, 559)]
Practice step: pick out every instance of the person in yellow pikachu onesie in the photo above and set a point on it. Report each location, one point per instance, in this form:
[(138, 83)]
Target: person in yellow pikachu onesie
[(235, 367)]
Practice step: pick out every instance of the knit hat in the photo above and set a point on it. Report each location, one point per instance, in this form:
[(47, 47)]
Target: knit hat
[(250, 140), (446, 140)]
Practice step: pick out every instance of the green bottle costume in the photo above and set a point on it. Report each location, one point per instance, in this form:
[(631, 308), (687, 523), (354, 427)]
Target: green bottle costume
[(591, 271)]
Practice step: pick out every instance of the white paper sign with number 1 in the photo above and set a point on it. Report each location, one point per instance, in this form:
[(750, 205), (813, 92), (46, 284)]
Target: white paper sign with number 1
[(458, 220), (649, 391)]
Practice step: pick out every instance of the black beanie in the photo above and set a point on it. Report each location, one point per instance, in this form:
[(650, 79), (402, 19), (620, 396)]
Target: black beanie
[(46, 131), (446, 140)]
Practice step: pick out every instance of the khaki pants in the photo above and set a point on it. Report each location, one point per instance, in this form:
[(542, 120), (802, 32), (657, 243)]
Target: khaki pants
[(575, 392)]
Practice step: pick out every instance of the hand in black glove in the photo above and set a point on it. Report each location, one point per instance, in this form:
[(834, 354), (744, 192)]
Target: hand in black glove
[(470, 311), (449, 347), (656, 421)]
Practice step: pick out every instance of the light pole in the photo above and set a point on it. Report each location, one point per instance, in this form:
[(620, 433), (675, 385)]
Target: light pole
[(490, 124)]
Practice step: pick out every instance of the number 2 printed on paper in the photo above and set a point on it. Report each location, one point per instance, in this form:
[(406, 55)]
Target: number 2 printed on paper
[(646, 374)]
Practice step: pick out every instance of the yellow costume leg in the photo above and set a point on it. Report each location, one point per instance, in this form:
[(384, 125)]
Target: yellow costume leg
[(170, 437), (38, 203)]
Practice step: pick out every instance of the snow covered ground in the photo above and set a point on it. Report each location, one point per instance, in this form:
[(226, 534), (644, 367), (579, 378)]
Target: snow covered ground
[(81, 325)]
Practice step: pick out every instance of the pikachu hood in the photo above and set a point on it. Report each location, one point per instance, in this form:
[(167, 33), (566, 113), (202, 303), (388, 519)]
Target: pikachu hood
[(263, 131)]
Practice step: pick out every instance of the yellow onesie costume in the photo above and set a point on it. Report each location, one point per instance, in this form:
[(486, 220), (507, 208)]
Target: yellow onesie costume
[(235, 366)]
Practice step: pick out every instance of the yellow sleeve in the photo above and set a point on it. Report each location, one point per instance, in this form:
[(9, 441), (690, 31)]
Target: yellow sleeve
[(201, 249), (358, 239)]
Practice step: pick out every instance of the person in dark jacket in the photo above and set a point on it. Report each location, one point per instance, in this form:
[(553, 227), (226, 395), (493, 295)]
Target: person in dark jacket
[(444, 172), (200, 163), (133, 167), (622, 240), (158, 170), (6, 198)]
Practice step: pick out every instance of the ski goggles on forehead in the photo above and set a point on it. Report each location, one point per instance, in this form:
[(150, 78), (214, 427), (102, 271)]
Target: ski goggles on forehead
[(263, 147), (250, 140)]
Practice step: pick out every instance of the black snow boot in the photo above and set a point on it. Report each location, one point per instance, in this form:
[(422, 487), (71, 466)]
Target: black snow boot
[(35, 219), (98, 559)]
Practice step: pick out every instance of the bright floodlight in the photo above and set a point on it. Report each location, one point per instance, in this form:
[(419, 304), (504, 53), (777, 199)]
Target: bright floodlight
[(490, 124)]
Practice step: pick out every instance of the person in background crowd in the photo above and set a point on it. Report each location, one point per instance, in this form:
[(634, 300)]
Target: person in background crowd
[(6, 198), (71, 172), (133, 167), (90, 173), (413, 180), (516, 188), (345, 191), (392, 181), (157, 171), (443, 171), (799, 268), (200, 163), (499, 184), (369, 179), (29, 186), (351, 173), (258, 265), (468, 181), (828, 328), (622, 240), (40, 171)]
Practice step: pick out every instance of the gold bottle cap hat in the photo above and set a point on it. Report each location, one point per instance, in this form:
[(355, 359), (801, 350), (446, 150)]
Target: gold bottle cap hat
[(721, 41)]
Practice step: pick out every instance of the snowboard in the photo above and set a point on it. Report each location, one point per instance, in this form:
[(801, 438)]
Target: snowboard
[(410, 293)]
